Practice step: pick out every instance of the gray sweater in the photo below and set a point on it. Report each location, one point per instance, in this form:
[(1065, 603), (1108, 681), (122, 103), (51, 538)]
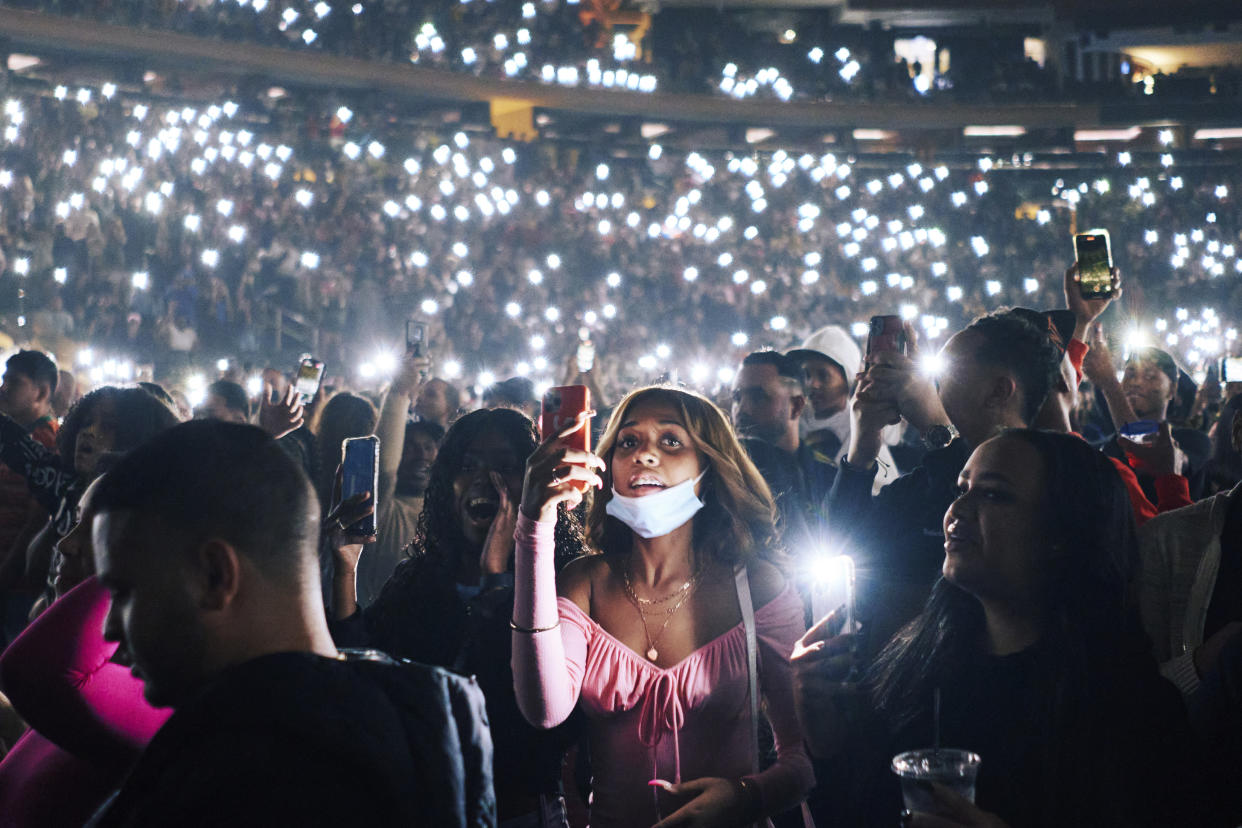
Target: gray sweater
[(1180, 561)]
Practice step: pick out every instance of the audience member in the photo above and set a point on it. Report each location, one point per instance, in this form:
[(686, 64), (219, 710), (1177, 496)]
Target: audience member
[(206, 539), (26, 393), (1029, 653), (1191, 583), (683, 521), (1150, 384), (407, 452), (450, 601), (517, 393), (768, 401), (1225, 468), (88, 718), (997, 373), (438, 402), (226, 401), (830, 360)]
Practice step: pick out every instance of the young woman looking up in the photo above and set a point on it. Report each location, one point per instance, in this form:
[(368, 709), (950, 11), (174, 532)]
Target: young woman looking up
[(648, 636)]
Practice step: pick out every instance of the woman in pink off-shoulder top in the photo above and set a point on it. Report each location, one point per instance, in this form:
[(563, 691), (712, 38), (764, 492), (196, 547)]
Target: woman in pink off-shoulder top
[(648, 637)]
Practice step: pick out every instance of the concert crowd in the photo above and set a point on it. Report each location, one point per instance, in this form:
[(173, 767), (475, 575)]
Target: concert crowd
[(354, 473)]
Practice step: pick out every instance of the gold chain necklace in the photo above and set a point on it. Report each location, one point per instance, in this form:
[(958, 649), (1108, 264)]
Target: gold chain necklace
[(651, 602), (685, 590)]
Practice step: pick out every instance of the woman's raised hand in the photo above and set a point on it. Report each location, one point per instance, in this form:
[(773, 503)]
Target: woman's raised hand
[(824, 666), (554, 471)]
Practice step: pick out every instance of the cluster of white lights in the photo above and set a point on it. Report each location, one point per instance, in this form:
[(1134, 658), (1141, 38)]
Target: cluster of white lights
[(877, 234)]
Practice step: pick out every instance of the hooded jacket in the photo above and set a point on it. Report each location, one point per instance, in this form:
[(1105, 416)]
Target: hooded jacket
[(837, 345), (298, 739)]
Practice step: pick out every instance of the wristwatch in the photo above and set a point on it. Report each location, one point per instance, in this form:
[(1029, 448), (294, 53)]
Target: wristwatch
[(940, 435)]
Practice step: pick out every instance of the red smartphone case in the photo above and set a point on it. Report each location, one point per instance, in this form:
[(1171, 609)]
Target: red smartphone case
[(887, 334), (561, 407)]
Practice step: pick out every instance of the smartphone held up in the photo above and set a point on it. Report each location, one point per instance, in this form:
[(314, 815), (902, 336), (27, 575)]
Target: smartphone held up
[(415, 337), (561, 407), (1094, 255), (887, 333), (310, 377), (360, 473)]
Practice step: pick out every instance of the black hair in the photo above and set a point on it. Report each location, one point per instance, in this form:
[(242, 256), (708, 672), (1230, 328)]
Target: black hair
[(1225, 467), (234, 396), (513, 391), (452, 395), (159, 392), (439, 537), (1161, 359), (35, 365), (211, 479), (1025, 351), (425, 427), (786, 366), (136, 414), (1092, 629)]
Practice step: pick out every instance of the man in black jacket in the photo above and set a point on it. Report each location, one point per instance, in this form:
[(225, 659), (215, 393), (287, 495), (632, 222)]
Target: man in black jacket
[(206, 537), (767, 405), (993, 375)]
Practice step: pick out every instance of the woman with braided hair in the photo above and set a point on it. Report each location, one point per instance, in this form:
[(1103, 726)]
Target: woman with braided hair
[(449, 602)]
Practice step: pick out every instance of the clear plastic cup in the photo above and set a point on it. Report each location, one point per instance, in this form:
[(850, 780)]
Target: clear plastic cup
[(955, 769)]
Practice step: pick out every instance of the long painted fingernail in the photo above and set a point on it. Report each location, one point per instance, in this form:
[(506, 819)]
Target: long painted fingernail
[(660, 783)]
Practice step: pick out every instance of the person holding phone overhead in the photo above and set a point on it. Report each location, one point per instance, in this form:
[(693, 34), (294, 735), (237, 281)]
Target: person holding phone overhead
[(449, 601), (996, 374), (650, 637)]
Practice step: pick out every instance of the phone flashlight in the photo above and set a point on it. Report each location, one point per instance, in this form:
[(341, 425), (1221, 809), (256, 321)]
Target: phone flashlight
[(833, 587)]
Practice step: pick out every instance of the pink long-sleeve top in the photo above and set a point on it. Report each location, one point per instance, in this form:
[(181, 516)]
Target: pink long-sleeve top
[(685, 722), (88, 718)]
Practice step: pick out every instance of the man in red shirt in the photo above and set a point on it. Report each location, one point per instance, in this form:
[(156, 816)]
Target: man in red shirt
[(26, 393)]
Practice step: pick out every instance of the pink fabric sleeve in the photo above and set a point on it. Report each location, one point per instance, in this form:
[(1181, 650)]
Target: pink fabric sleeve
[(779, 624), (58, 675), (547, 666)]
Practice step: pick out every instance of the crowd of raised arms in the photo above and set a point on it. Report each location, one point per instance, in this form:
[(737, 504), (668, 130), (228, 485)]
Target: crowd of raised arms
[(361, 472)]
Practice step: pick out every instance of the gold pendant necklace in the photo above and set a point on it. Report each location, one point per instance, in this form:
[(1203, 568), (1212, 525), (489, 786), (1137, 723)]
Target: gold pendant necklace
[(685, 591)]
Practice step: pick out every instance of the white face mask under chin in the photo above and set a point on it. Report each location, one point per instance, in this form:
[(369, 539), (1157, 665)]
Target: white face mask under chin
[(654, 516)]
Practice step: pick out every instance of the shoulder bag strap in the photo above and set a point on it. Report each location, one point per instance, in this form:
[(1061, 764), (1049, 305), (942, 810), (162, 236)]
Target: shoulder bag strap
[(752, 659), (747, 606)]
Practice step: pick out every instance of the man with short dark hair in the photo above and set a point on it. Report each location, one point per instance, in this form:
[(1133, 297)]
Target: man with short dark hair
[(26, 394), (438, 401), (767, 404), (227, 401), (517, 393), (206, 536), (997, 373)]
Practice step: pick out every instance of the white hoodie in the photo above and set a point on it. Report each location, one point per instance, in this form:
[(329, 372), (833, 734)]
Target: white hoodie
[(839, 424)]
